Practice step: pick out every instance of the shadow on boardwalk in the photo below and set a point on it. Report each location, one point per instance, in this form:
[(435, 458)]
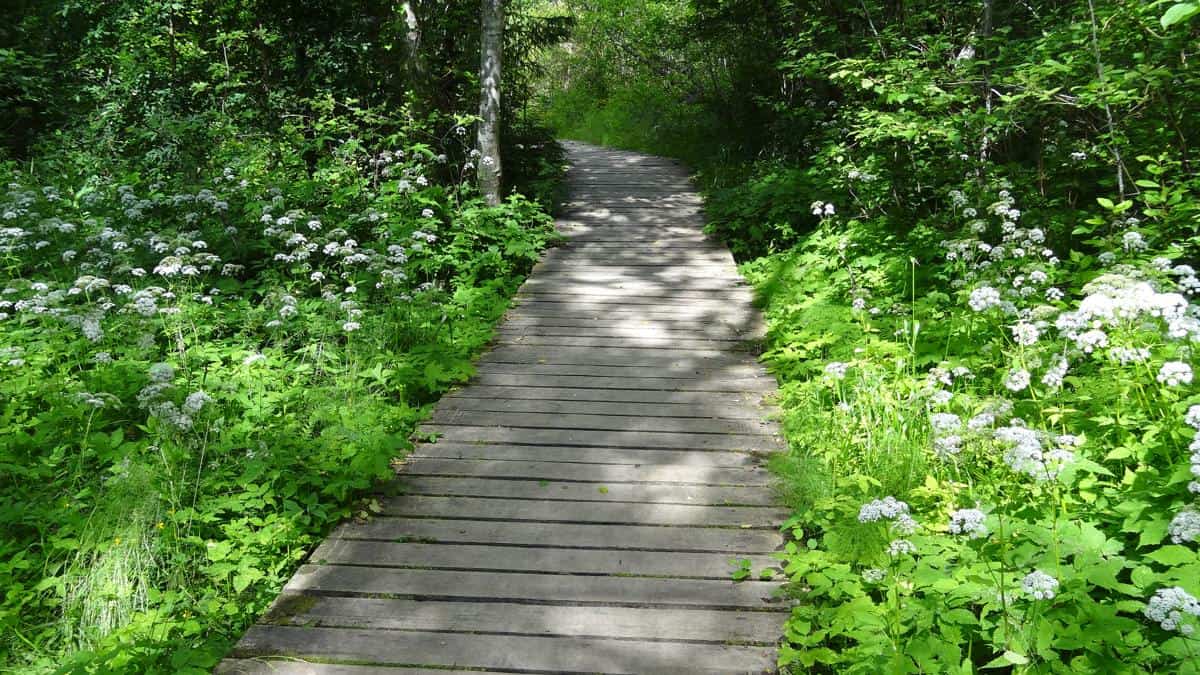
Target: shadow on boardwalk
[(588, 489)]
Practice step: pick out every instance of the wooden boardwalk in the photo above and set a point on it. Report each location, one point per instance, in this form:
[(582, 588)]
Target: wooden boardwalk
[(590, 487)]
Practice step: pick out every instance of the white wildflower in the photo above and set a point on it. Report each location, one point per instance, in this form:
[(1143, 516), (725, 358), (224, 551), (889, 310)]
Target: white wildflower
[(1039, 585), (1053, 378), (1175, 374), (945, 422), (196, 401), (969, 522), (873, 575), (984, 298), (836, 370), (162, 373), (887, 508), (1169, 607), (1025, 334), (1017, 379), (1185, 526), (1192, 418)]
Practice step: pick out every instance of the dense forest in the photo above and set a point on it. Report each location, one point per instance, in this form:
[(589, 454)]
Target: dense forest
[(244, 247)]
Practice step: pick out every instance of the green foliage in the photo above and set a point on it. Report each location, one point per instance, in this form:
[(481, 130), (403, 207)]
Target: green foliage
[(240, 255), (301, 326), (927, 199)]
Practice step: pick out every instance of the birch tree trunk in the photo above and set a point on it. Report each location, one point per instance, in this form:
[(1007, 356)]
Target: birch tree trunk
[(985, 34), (491, 42), (416, 60)]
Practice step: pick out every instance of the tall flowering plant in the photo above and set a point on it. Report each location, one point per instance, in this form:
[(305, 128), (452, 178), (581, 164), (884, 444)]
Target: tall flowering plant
[(1045, 517)]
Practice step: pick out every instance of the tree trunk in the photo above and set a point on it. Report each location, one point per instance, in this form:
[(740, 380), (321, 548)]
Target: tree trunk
[(985, 34), (1111, 124), (491, 42), (418, 73)]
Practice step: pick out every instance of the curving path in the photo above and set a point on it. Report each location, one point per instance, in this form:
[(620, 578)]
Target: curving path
[(589, 487)]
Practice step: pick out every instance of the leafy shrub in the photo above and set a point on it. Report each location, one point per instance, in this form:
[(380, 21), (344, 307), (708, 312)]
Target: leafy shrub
[(199, 380), (994, 476)]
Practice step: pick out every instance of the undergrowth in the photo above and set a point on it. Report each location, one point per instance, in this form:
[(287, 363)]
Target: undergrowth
[(200, 378), (972, 229)]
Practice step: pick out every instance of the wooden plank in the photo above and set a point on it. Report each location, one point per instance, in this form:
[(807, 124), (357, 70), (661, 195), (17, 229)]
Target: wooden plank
[(697, 313), (639, 296), (289, 665), (707, 245), (610, 492), (732, 541), (636, 290), (582, 229), (719, 334), (606, 422), (588, 473), (631, 211), (649, 274), (692, 318), (593, 234), (479, 557), (599, 590), (740, 385), (706, 401), (639, 265), (728, 372), (599, 278), (536, 338), (535, 510), (690, 257), (634, 217), (550, 620), (536, 453), (667, 326), (636, 220), (503, 652), (620, 197), (602, 438), (710, 306), (626, 356), (542, 310), (467, 400)]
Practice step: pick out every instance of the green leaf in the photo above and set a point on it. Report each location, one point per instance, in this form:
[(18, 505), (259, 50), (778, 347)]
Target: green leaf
[(1008, 658), (1174, 555), (1179, 13)]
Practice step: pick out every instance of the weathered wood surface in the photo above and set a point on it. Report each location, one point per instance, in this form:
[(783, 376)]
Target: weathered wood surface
[(590, 491)]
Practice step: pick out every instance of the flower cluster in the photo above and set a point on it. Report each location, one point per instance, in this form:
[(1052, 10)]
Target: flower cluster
[(946, 439), (822, 209), (969, 522), (1039, 585), (1170, 607), (888, 508), (1185, 526), (1036, 453), (836, 370)]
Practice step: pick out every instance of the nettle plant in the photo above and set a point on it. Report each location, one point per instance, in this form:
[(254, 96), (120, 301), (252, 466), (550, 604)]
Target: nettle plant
[(1050, 468)]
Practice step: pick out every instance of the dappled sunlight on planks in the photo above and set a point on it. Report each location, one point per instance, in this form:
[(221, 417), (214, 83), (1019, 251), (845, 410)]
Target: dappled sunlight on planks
[(592, 487)]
